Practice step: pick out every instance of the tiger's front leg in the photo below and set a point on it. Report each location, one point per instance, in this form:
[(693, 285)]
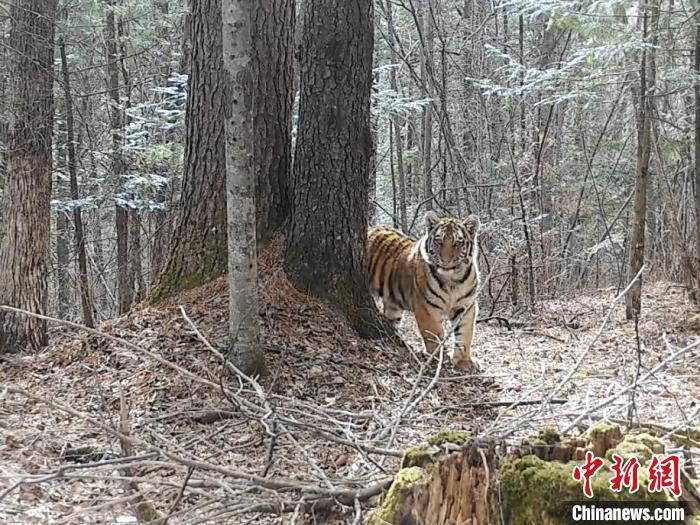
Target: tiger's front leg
[(430, 328), (392, 312), (464, 325)]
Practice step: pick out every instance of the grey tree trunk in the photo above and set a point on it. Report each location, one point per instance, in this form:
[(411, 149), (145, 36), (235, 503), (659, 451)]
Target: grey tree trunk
[(244, 330), (62, 281), (125, 283), (426, 69), (24, 251), (647, 79), (83, 280), (326, 254), (273, 79), (391, 29), (159, 220)]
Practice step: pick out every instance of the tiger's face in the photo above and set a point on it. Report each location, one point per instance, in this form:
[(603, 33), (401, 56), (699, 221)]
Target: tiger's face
[(450, 242)]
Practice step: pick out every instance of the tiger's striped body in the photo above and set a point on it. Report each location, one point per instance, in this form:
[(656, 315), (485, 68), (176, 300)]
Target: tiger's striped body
[(435, 277)]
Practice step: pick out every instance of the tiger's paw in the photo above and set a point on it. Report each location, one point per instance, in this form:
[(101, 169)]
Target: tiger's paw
[(463, 360)]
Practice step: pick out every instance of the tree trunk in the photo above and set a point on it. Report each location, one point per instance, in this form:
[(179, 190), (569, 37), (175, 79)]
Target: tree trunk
[(160, 219), (198, 249), (273, 60), (64, 300), (244, 329), (393, 81), (124, 282), (647, 78), (136, 255), (83, 280), (372, 190), (24, 252), (426, 80), (697, 157), (326, 253)]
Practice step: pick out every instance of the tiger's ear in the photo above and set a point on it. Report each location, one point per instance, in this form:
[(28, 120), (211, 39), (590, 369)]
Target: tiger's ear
[(472, 224), (431, 219)]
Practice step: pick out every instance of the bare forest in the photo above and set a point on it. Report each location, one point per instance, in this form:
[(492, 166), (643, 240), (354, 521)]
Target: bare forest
[(346, 261)]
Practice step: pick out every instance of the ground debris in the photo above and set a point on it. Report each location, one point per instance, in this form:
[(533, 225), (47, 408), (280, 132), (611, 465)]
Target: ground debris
[(351, 406)]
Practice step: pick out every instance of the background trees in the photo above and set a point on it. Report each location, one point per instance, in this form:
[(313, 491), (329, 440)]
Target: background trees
[(534, 114), (527, 114)]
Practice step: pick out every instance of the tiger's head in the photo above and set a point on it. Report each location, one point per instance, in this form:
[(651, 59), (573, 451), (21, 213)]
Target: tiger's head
[(448, 242)]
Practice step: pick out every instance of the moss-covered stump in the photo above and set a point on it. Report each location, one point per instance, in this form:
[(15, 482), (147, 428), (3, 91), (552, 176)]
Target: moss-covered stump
[(536, 491), (447, 487), (453, 479)]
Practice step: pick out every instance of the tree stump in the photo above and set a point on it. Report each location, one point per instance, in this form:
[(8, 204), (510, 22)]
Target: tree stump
[(455, 480), (451, 480)]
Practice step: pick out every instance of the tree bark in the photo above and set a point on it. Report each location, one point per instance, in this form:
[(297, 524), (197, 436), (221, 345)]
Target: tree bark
[(326, 253), (64, 299), (697, 157), (24, 251), (83, 280), (393, 82), (198, 249), (647, 78), (125, 284), (273, 60), (426, 80), (244, 329), (161, 219)]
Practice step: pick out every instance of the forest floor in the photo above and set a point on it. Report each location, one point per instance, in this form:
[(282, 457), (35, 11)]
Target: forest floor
[(342, 408)]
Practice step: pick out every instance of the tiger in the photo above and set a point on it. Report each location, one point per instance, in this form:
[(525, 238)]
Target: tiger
[(436, 277)]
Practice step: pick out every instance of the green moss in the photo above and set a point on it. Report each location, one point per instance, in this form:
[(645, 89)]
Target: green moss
[(536, 446), (403, 481), (549, 435), (417, 457), (603, 437), (603, 429), (694, 432), (536, 491), (448, 436), (651, 442), (628, 448), (211, 264), (147, 512), (643, 446)]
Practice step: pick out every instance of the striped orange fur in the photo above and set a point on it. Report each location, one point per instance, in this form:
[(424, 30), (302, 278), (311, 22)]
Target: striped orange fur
[(436, 277)]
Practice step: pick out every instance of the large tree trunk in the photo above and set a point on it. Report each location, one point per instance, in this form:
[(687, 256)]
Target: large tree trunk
[(198, 249), (273, 59), (326, 252), (647, 78), (244, 329), (24, 251), (125, 284)]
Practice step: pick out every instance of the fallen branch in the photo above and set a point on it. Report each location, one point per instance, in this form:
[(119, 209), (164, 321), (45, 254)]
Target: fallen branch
[(496, 404)]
